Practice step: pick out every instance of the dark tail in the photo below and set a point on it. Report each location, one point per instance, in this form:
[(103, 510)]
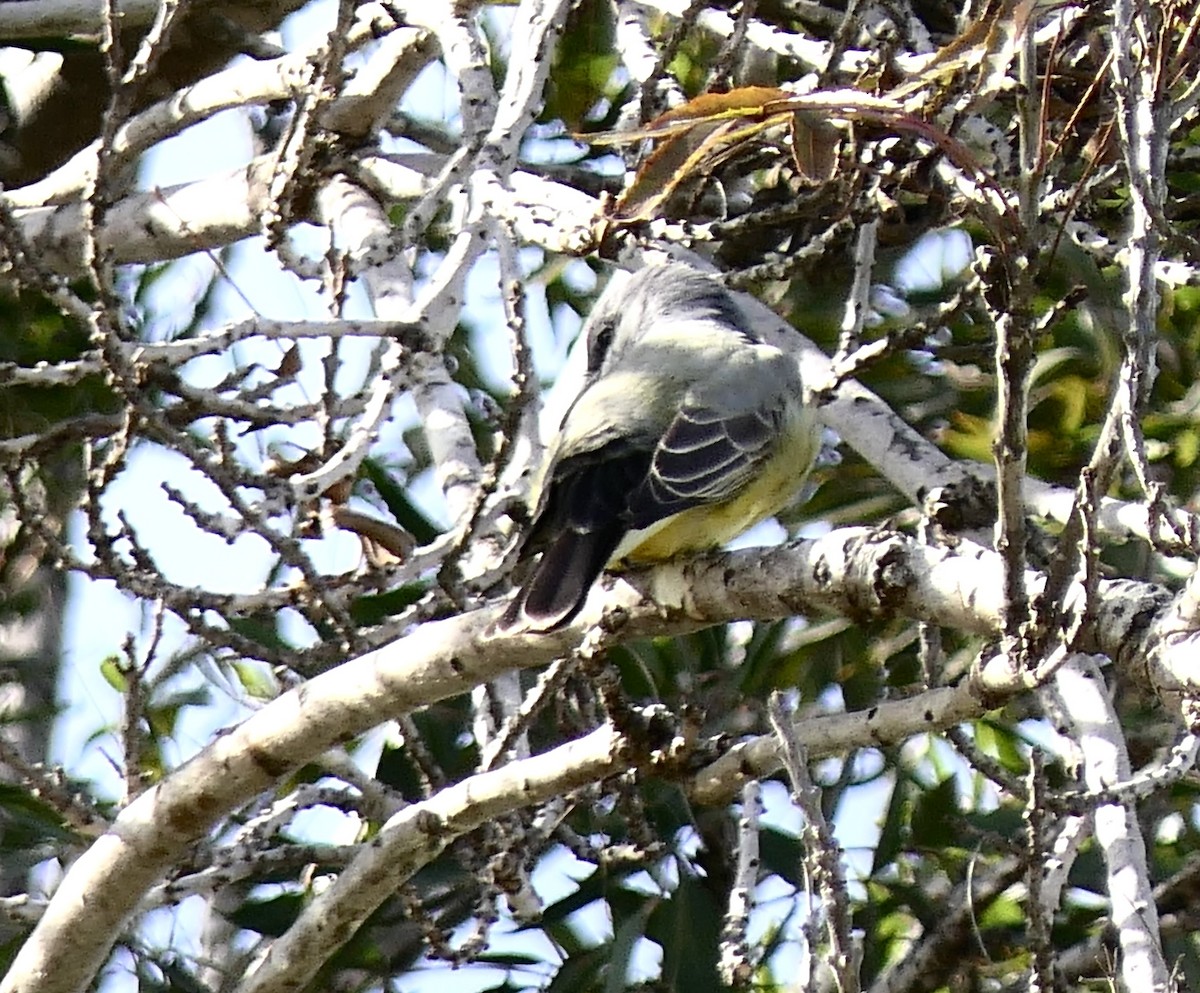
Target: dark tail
[(560, 582)]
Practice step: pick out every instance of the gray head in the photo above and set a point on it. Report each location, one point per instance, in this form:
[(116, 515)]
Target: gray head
[(654, 295)]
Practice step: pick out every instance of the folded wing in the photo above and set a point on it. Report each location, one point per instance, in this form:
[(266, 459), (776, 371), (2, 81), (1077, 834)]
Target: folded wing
[(727, 427), (706, 456)]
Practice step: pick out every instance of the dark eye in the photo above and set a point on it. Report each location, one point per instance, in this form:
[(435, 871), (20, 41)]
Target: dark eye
[(601, 341)]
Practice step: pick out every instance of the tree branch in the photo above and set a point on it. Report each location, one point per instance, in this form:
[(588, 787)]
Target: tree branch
[(855, 571)]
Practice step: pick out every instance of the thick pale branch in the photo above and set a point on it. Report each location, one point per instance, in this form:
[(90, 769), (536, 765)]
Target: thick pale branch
[(46, 18), (157, 226), (888, 723), (414, 837), (1092, 719), (370, 97), (855, 571)]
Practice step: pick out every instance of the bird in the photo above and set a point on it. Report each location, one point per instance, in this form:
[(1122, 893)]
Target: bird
[(688, 430)]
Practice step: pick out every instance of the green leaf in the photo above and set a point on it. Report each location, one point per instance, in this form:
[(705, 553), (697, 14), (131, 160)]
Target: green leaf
[(936, 819), (592, 888), (163, 712), (781, 854), (272, 916), (997, 741), (891, 835), (397, 501), (628, 931), (255, 679), (375, 608), (27, 820), (1003, 912), (687, 926), (515, 959), (262, 629), (581, 971), (113, 671), (584, 63)]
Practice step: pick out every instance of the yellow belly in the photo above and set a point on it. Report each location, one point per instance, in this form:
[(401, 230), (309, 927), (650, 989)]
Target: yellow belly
[(714, 524)]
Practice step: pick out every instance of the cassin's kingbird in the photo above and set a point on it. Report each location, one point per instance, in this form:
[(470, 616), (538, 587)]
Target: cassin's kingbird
[(688, 430)]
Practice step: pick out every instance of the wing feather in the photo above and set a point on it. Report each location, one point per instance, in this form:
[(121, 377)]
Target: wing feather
[(705, 456)]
